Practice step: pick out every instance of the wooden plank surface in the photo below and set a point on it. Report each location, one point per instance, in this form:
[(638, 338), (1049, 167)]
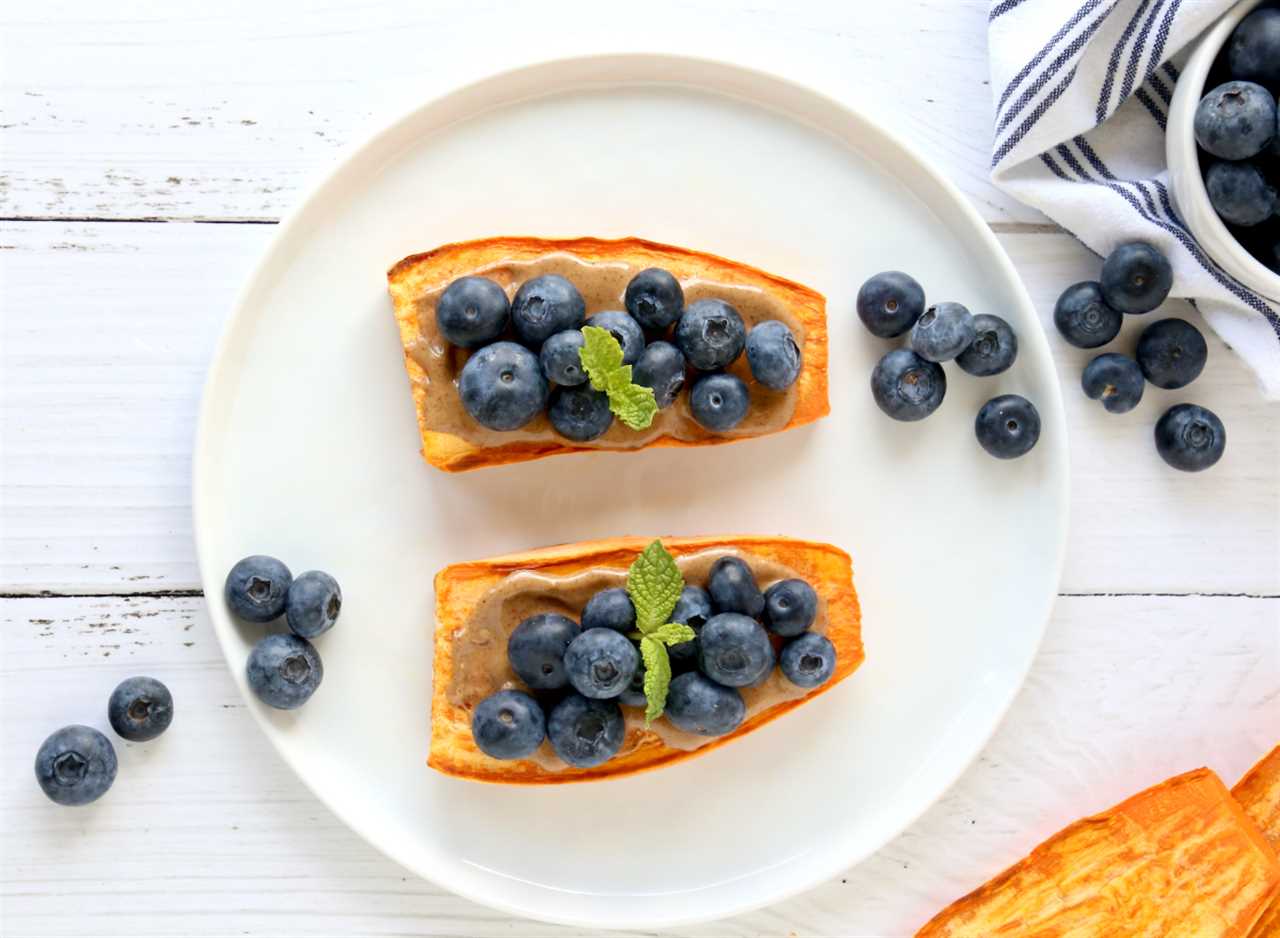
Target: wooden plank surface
[(228, 111), (124, 129), (207, 832), (102, 382)]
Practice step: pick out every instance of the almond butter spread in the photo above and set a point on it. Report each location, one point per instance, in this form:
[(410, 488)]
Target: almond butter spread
[(480, 666), (602, 286)]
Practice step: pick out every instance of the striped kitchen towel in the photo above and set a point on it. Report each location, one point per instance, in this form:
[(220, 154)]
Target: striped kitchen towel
[(1081, 92)]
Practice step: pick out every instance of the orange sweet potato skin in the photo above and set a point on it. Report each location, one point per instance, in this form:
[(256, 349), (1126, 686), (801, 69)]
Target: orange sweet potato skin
[(1259, 794), (460, 586), (1179, 860), (411, 277)]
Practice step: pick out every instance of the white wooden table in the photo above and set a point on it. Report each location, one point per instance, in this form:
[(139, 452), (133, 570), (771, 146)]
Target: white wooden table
[(147, 151)]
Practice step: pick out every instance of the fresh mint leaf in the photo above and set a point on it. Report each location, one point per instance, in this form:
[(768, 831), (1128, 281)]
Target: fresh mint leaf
[(633, 404), (654, 584), (673, 633), (657, 677), (601, 357)]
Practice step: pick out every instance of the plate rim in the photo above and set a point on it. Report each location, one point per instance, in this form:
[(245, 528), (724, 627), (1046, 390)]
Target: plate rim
[(537, 75)]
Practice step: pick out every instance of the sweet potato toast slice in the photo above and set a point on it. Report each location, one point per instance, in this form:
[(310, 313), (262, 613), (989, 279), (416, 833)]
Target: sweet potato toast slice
[(1179, 860), (418, 274), (1259, 794), (461, 586)]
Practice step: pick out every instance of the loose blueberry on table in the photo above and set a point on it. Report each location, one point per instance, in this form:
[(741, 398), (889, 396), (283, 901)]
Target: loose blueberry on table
[(76, 765), (1190, 437), (1083, 317), (682, 652), (541, 354), (140, 708), (1171, 353), (1115, 380), (1136, 277)]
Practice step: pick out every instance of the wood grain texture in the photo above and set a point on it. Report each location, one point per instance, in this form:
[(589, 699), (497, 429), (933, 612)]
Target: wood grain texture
[(102, 382), (208, 832), (229, 111)]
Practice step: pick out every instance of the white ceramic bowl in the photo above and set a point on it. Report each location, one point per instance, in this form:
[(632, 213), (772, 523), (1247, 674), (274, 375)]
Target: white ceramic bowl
[(1189, 193)]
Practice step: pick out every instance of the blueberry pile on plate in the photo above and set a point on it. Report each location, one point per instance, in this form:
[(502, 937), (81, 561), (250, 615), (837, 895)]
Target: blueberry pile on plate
[(909, 383), (578, 677), (525, 359), (1170, 354), (1237, 127), (284, 669), (77, 764)]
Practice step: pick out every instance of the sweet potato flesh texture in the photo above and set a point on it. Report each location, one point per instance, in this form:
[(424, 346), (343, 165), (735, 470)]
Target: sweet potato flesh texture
[(1259, 794), (1179, 860)]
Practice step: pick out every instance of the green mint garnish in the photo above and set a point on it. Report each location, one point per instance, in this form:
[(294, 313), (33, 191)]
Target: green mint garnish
[(654, 584), (601, 357)]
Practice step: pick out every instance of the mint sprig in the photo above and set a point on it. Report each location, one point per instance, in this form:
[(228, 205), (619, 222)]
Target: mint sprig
[(654, 583), (601, 357)]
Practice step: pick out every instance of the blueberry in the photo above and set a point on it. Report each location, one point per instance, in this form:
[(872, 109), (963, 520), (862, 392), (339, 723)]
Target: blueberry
[(1083, 316), (718, 402), (733, 588), (790, 607), (773, 355), (697, 704), (544, 306), (76, 765), (1171, 353), (1236, 121), (1136, 278), (1008, 426), (1190, 437), (1116, 380), (1240, 193), (585, 732), (502, 386), (256, 588), (610, 609), (654, 298), (580, 414), (711, 334), (633, 694), (1253, 51), (600, 663), (994, 347), (472, 311), (906, 387), (943, 332), (734, 649), (660, 367), (284, 671), (560, 360), (140, 708), (809, 660), (508, 725), (623, 328), (313, 604), (890, 303), (693, 609), (536, 649)]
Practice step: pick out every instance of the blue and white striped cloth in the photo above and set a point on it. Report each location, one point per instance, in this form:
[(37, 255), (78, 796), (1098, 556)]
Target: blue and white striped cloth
[(1082, 90)]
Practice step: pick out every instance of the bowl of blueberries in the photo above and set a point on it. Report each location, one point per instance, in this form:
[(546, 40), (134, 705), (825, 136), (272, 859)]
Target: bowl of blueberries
[(1223, 144)]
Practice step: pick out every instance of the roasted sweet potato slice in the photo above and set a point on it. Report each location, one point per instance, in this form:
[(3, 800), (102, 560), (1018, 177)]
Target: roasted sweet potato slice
[(417, 276), (1259, 794), (460, 587), (1179, 860)]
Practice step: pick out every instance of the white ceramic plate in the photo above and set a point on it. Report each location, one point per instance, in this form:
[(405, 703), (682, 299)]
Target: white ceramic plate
[(308, 450)]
